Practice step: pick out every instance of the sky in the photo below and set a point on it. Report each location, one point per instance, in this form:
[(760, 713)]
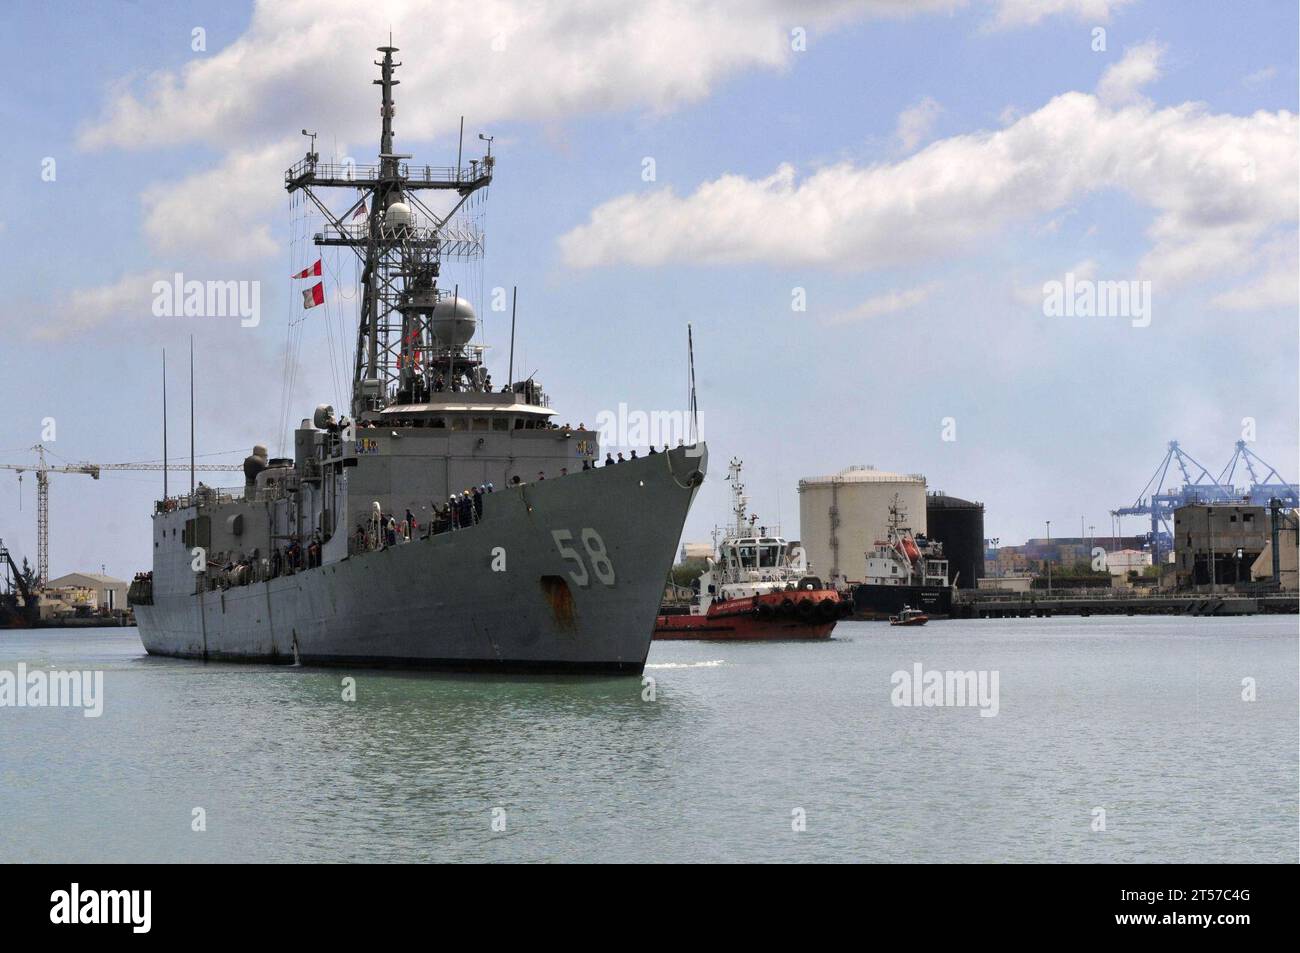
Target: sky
[(856, 206)]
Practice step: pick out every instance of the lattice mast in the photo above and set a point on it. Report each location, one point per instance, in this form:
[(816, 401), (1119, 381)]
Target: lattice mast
[(397, 355)]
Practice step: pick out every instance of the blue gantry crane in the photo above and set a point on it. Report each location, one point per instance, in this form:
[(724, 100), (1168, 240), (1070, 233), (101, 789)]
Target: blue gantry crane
[(1158, 500), (1260, 492)]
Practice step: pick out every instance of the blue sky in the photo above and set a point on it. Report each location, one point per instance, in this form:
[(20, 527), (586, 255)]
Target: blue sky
[(922, 256)]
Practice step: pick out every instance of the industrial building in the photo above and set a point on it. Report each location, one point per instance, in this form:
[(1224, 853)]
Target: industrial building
[(1216, 545), (959, 525), (842, 516), (105, 592), (83, 592), (1124, 561)]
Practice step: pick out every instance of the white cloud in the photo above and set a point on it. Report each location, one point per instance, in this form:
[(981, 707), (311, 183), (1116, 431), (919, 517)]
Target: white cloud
[(890, 302), (1260, 76), (1274, 286), (1218, 185), (220, 212), (1121, 82), (915, 123), (1016, 13), (1032, 295), (127, 299), (310, 61)]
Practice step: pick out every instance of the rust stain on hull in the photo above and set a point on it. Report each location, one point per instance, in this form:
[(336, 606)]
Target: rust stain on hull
[(558, 594)]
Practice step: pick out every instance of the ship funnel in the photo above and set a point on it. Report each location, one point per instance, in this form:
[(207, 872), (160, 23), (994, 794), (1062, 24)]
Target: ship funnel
[(453, 322)]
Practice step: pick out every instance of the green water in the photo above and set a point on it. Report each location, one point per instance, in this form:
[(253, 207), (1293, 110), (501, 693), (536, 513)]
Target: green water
[(1143, 718)]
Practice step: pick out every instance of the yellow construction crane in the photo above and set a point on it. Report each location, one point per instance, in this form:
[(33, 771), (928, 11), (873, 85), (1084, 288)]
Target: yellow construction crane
[(42, 469)]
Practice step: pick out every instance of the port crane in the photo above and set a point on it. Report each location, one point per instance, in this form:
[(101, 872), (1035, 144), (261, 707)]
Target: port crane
[(43, 469), (1261, 491), (1159, 501)]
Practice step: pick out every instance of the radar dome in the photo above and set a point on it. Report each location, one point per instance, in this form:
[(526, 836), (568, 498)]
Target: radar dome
[(398, 215), (453, 322)]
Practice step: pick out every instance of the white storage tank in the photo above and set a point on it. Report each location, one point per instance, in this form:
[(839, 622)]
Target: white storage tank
[(842, 516)]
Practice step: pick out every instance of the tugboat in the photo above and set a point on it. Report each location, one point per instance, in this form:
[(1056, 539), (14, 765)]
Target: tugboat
[(754, 590), (909, 616), (904, 571)]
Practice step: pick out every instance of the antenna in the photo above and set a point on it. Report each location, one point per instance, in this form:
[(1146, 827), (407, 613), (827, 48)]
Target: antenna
[(460, 145), (191, 414), (451, 351), (164, 383), (400, 263), (690, 361), (514, 301)]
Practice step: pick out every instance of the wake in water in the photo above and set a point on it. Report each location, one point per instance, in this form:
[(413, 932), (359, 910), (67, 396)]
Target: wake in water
[(713, 664)]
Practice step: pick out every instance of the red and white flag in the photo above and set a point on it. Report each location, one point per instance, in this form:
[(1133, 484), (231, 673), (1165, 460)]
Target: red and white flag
[(360, 212), (310, 270), (314, 295)]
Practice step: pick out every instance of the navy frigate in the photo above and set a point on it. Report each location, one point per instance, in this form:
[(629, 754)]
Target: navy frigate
[(441, 523)]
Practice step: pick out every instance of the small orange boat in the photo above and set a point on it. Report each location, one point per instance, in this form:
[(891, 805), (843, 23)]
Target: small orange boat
[(754, 590)]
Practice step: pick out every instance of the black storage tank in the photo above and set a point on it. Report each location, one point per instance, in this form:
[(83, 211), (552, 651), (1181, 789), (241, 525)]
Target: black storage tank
[(959, 525)]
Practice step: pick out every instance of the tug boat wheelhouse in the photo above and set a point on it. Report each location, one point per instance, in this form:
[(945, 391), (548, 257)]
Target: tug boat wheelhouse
[(754, 589)]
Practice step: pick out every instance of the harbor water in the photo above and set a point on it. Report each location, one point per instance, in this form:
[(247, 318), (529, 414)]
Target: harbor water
[(1114, 740)]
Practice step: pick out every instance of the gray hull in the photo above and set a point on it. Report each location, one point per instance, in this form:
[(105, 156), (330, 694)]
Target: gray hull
[(441, 602)]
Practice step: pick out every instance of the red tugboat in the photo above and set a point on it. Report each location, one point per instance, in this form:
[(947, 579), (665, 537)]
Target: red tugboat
[(753, 589)]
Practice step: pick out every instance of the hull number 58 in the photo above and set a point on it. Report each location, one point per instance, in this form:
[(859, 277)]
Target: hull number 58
[(601, 567)]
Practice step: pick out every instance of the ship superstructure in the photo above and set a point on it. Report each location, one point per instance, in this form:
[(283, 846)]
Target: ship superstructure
[(904, 570), (441, 522), (750, 561), (904, 558)]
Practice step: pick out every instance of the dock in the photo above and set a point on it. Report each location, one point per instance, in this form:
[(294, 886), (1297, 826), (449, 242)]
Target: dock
[(1024, 605)]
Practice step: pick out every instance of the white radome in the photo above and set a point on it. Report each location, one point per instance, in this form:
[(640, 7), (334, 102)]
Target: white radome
[(398, 215), (453, 322)]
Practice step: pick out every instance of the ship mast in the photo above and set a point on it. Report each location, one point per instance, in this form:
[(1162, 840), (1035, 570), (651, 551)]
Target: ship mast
[(401, 245), (739, 502)]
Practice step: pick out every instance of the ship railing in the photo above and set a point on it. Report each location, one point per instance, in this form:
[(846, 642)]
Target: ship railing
[(452, 239), (230, 569), (205, 496), (202, 496), (367, 172), (369, 538)]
